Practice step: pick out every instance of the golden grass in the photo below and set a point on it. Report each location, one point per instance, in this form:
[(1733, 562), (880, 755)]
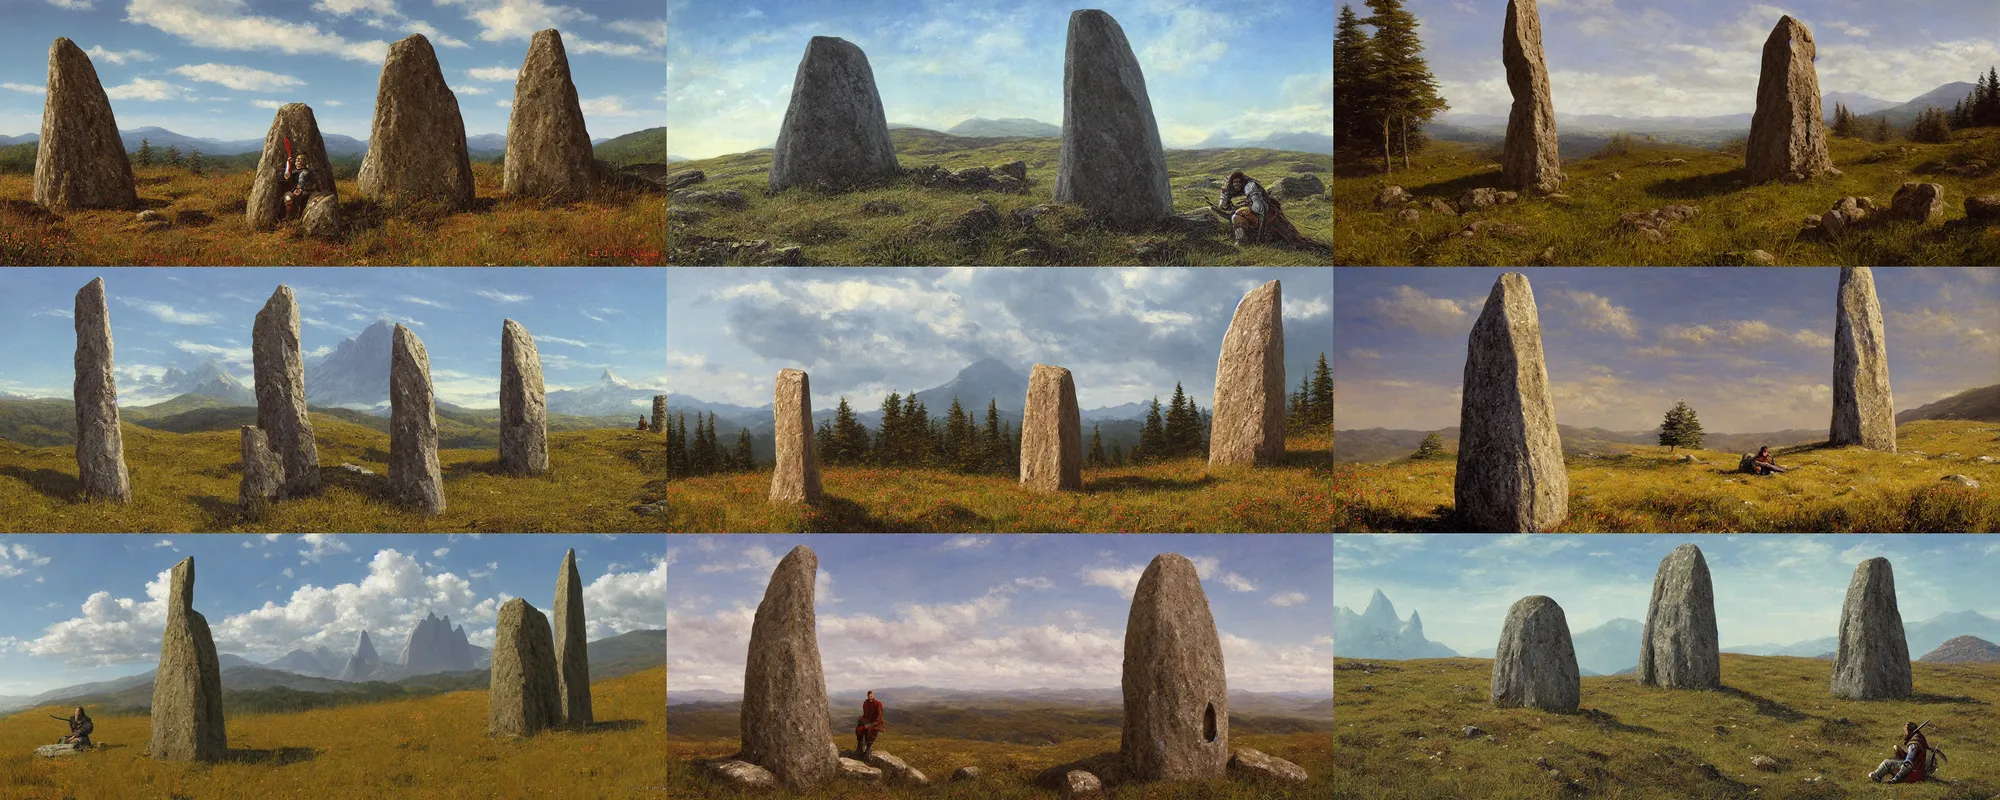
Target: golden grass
[(621, 228), (434, 747), (1181, 495), (1400, 735), (188, 482), (1645, 490)]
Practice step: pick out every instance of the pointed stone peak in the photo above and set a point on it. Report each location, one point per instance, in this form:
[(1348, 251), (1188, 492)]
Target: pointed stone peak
[(180, 593)]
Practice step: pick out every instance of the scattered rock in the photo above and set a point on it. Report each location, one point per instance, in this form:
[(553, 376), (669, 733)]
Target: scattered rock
[(1111, 161), (1962, 480), (100, 446), (1008, 184), (1615, 176), (416, 147), (1745, 258), (1535, 664), (1873, 659), (187, 689), (1656, 224), (1409, 215), (353, 469), (414, 477), (1787, 133), (1984, 459), (1507, 197), (1018, 170), (1863, 412), (896, 770), (149, 215), (1983, 208), (548, 148), (1249, 413), (727, 198), (835, 133), (1765, 763), (975, 222), (1391, 197), (1918, 202), (1510, 474), (967, 774), (853, 770), (59, 751), (1529, 159), (1476, 199), (1442, 207), (1251, 763), (322, 217), (80, 161), (1472, 731), (1477, 227), (739, 775), (685, 215), (685, 178), (1300, 187), (1078, 785)]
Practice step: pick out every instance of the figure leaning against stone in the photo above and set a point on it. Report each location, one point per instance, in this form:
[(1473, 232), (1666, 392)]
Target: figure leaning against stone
[(301, 183)]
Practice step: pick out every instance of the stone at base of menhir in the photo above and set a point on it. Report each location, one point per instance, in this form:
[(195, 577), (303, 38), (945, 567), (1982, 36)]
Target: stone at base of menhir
[(1080, 784), (58, 751), (857, 771), (739, 775), (1251, 763)]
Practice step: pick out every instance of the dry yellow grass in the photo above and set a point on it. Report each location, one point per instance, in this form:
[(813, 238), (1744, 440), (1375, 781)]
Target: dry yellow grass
[(435, 747)]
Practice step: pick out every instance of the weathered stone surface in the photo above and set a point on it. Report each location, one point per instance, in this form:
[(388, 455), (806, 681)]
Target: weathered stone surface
[(80, 161), (572, 645), (1249, 423), (522, 698), (795, 478), (1918, 202), (414, 477), (1529, 159), (853, 770), (1251, 763), (1392, 197), (100, 447), (1863, 411), (684, 179), (548, 148), (1078, 784), (58, 751), (1111, 161), (739, 775), (265, 207), (1051, 432), (1983, 207), (1510, 464), (263, 473), (1787, 133), (322, 217), (835, 133), (1176, 694), (1018, 170), (279, 373), (524, 409), (1873, 659), (1966, 481), (187, 689), (416, 147), (967, 774), (659, 413), (1535, 665), (784, 713), (1298, 187), (1678, 649), (896, 770)]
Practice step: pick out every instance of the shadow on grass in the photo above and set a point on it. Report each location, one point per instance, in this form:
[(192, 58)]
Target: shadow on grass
[(1924, 697), (1699, 186), (1605, 720), (1124, 482), (222, 512), (1310, 459), (841, 515), (1766, 706), (276, 757), (1440, 519), (610, 725), (51, 483), (1453, 188)]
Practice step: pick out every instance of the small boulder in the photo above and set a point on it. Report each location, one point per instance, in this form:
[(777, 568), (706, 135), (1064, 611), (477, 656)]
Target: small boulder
[(1962, 480), (685, 178), (1507, 197), (1255, 764), (149, 215), (881, 208), (1745, 258), (1018, 170), (1476, 199), (739, 775), (855, 770), (1765, 763), (685, 215), (1442, 207), (1984, 207), (727, 198), (1492, 228), (1918, 202), (1409, 215), (896, 770), (1080, 784), (58, 751), (1472, 731), (1390, 196), (322, 217), (967, 774), (978, 220)]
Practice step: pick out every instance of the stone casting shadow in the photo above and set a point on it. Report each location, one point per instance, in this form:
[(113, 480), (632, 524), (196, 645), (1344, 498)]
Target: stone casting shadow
[(841, 515), (1309, 459), (1605, 720), (1124, 482), (609, 725), (1700, 186), (1765, 706), (51, 483), (222, 511), (274, 757), (1440, 519)]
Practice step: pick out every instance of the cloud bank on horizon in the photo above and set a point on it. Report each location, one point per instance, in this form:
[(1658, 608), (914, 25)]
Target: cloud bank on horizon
[(1212, 70)]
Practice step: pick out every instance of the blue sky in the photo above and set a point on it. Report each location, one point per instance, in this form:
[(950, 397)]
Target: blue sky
[(999, 612), (1248, 69), (1750, 349), (585, 320), (1638, 58), (217, 68), (1125, 333), (91, 607), (1768, 589)]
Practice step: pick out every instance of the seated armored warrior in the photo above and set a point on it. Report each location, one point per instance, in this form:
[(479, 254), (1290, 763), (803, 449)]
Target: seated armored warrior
[(301, 183), (1261, 216), (80, 728)]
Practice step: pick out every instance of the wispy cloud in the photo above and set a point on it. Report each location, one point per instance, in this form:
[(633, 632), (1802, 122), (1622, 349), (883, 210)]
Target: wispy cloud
[(167, 313)]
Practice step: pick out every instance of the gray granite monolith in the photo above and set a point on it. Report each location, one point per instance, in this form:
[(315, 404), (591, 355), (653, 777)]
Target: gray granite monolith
[(659, 413), (835, 134), (100, 447), (294, 132), (263, 473), (784, 720), (1529, 159), (414, 477), (1051, 432), (1787, 134), (80, 159), (279, 374), (548, 148), (1535, 665), (187, 689), (1510, 476), (1872, 659), (1249, 419), (1176, 691), (524, 408), (572, 647), (522, 697), (795, 476), (416, 146), (1863, 411), (1679, 648), (1111, 161)]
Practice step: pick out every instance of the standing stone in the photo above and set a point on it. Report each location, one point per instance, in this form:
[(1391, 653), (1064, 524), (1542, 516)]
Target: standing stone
[(1872, 661), (784, 712), (572, 651), (1530, 160), (1679, 649), (263, 473), (548, 149), (416, 147), (80, 161), (1510, 463), (1111, 161), (524, 412), (1787, 134), (659, 413), (795, 478), (266, 205), (1051, 433), (187, 689), (414, 478), (100, 448), (279, 373), (835, 133), (522, 698), (1176, 695), (1535, 665), (1863, 412), (1249, 424)]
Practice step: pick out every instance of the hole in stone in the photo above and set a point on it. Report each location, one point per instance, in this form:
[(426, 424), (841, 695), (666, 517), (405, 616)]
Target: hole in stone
[(1208, 723)]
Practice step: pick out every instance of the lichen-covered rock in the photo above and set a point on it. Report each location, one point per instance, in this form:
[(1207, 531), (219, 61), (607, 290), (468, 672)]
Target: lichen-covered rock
[(1392, 197), (1298, 187), (683, 179), (1787, 134), (853, 770), (279, 374), (1249, 417), (522, 698), (1018, 170), (322, 217), (1251, 763), (1176, 692), (1535, 664), (1111, 161), (1679, 648), (1080, 785), (59, 751), (1863, 411), (1918, 202), (1872, 661), (1529, 159), (548, 148), (524, 412), (795, 473), (80, 160), (835, 133), (1051, 432), (896, 770), (262, 473), (187, 689), (100, 447), (1511, 476), (784, 720), (572, 646), (740, 775), (416, 147), (294, 123), (414, 477)]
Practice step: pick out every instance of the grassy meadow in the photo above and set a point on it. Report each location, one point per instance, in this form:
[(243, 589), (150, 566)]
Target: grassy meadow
[(832, 228), (1632, 741), (433, 747), (1647, 490), (618, 228), (187, 482), (1180, 495), (1734, 215)]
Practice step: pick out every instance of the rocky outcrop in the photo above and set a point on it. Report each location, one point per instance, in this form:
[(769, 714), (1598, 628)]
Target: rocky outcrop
[(1528, 158), (1983, 208), (967, 774), (850, 769), (322, 217), (262, 473), (548, 148), (294, 131), (835, 134), (784, 711), (1257, 765), (1111, 162), (363, 662), (187, 689), (897, 771), (414, 477), (1176, 691), (572, 645), (795, 476), (1249, 418), (100, 447), (1679, 648), (1863, 412), (524, 409), (522, 698), (1298, 187), (279, 373), (1080, 785), (1535, 664), (1873, 659), (416, 148), (1787, 133), (435, 646), (80, 161), (1051, 432), (1511, 476)]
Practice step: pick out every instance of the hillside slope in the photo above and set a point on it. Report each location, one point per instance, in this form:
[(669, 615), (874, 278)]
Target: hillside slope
[(1976, 404)]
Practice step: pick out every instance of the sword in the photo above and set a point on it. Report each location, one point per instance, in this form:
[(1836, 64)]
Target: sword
[(288, 157)]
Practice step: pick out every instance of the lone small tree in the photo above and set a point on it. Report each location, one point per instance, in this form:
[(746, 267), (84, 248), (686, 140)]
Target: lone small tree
[(1432, 447), (1680, 429), (145, 154)]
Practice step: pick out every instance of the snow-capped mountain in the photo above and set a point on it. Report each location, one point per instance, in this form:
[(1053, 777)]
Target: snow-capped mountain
[(1377, 632), (611, 396), (208, 378), (356, 374)]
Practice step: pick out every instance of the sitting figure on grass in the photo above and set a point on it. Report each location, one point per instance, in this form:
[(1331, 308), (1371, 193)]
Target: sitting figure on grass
[(1912, 763), (301, 183), (80, 728), (1762, 463)]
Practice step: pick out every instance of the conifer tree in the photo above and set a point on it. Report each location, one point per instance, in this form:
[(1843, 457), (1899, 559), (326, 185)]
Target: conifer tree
[(1181, 437), (1096, 456), (1681, 429), (1431, 447), (1153, 439), (887, 448), (745, 460), (144, 157), (194, 162), (916, 432), (173, 156), (823, 442), (1357, 123), (850, 437), (953, 446), (1931, 127), (1319, 408), (1882, 132), (1117, 454), (1408, 92), (996, 447), (1843, 120)]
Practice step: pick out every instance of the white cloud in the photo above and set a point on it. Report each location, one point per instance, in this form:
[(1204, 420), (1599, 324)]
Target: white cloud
[(1192, 42), (167, 313), (72, 5), (1125, 580), (502, 297), (965, 542), (1287, 599), (620, 602), (1044, 583), (423, 301), (1596, 312), (504, 103), (470, 90), (233, 355), (1307, 309), (335, 103), (501, 20), (440, 552), (1411, 307), (163, 543), (561, 340), (494, 73), (270, 104), (146, 89), (321, 545), (756, 557), (226, 25), (97, 52), (609, 105), (1238, 583), (24, 87), (241, 78), (18, 559), (653, 31)]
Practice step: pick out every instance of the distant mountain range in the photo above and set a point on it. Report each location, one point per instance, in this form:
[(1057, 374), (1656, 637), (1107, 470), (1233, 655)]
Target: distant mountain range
[(485, 145), (1377, 632), (1240, 702), (1923, 637), (1974, 404), (1964, 650), (1013, 126), (355, 375)]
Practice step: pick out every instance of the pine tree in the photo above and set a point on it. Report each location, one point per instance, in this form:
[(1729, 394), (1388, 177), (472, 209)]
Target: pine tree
[(677, 450), (1181, 437), (953, 448), (194, 162), (1432, 447), (1012, 438), (1409, 93), (917, 432), (1153, 439), (1096, 456), (850, 437), (1843, 121), (1296, 402), (173, 156), (887, 448), (995, 453), (1931, 127), (1681, 429), (1356, 124), (1882, 133), (1320, 406), (823, 442), (145, 155), (1988, 112)]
